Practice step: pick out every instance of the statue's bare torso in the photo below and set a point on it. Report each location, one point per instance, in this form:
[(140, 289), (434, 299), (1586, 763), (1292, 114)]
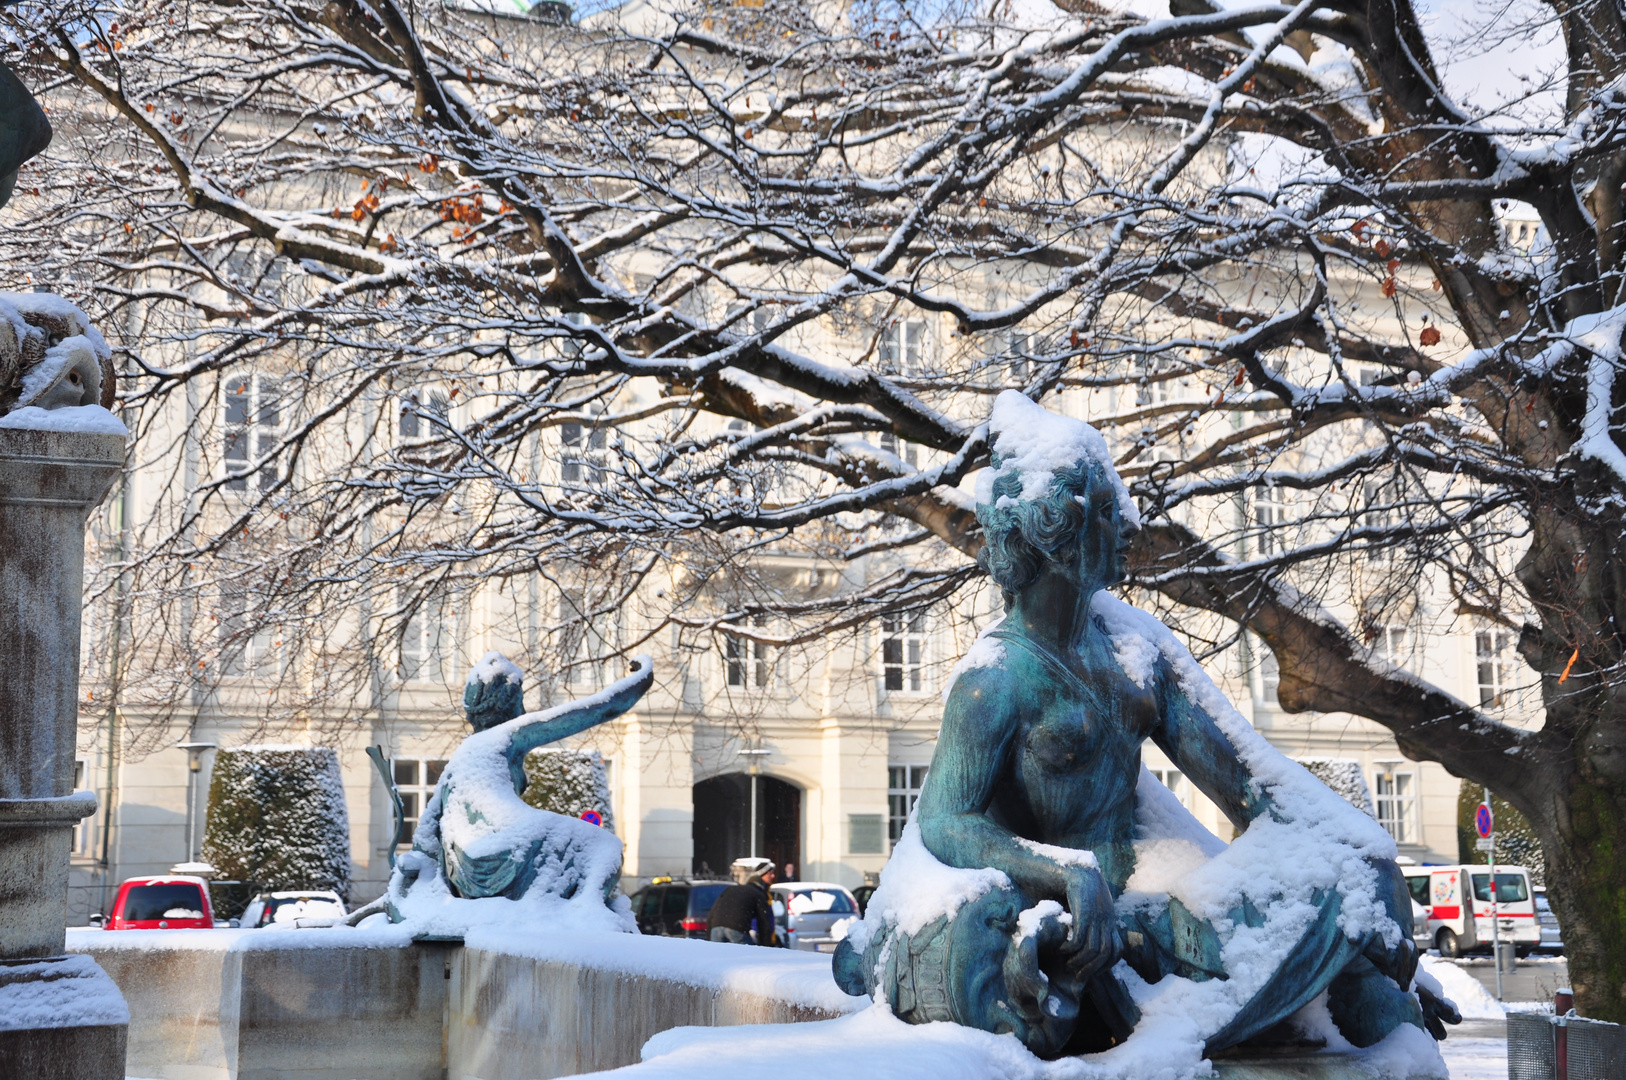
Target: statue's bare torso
[(1067, 757)]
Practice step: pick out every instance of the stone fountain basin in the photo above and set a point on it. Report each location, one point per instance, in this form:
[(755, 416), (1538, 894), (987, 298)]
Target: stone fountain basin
[(371, 1004)]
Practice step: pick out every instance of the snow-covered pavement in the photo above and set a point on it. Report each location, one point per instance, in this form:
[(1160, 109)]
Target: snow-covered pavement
[(1477, 1050)]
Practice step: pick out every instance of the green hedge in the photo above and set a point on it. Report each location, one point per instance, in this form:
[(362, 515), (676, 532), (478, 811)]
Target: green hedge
[(568, 782), (277, 818), (1516, 842)]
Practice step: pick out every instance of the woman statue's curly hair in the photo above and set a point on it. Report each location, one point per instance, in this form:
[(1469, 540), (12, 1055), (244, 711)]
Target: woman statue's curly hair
[(1021, 534)]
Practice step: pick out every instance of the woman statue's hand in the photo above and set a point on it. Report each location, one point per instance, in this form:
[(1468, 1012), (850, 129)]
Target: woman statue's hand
[(1093, 942)]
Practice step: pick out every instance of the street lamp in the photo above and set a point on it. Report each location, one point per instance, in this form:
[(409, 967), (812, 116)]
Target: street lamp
[(754, 754), (194, 765)]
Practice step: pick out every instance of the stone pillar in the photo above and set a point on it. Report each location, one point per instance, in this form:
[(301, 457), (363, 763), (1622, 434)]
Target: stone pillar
[(59, 1015)]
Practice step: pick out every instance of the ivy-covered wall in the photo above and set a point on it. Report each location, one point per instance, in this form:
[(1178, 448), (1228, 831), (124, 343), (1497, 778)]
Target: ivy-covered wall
[(1516, 843), (568, 782), (277, 818)]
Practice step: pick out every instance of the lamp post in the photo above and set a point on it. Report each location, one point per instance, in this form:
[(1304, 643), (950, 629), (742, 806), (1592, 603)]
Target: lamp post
[(194, 765), (754, 769)]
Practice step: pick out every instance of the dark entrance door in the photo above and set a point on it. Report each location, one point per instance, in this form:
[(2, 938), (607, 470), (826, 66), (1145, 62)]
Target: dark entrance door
[(722, 822)]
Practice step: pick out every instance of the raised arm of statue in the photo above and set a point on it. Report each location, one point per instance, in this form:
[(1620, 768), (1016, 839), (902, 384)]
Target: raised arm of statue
[(572, 718)]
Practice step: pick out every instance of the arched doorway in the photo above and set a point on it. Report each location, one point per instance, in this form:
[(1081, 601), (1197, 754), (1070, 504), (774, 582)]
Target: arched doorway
[(722, 822)]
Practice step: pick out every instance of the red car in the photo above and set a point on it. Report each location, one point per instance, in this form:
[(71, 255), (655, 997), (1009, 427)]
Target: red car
[(162, 903)]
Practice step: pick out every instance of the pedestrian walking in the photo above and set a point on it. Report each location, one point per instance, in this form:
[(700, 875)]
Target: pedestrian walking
[(740, 905)]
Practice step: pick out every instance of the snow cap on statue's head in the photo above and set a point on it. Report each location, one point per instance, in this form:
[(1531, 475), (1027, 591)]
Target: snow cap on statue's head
[(495, 667), (1033, 443)]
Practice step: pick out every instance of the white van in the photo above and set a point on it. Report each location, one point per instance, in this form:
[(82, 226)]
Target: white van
[(1458, 899)]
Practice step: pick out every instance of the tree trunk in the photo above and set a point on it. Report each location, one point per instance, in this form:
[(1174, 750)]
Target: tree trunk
[(1587, 888)]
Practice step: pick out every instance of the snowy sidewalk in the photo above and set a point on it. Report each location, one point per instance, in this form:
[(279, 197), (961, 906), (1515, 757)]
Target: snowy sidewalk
[(1477, 1050)]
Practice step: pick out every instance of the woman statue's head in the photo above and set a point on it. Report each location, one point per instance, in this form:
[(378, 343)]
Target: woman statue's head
[(1051, 497)]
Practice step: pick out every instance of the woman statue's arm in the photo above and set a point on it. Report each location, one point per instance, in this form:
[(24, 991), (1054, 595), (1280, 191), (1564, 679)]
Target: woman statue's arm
[(973, 749), (1198, 748)]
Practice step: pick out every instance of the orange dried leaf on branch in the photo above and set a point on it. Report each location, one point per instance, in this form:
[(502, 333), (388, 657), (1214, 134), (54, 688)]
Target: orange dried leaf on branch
[(1429, 336), (1389, 287)]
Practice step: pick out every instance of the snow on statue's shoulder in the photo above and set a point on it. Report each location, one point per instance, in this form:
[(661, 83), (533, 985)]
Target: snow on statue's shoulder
[(491, 665), (1034, 443), (985, 652)]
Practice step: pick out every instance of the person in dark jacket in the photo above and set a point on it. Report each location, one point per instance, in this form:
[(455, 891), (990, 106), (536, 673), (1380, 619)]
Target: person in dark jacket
[(736, 907)]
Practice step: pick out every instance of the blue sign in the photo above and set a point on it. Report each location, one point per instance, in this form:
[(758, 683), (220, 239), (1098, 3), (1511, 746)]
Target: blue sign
[(1482, 820), (592, 817)]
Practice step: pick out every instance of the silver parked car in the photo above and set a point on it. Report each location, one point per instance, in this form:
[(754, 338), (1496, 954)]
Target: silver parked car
[(304, 907), (1551, 940), (806, 910)]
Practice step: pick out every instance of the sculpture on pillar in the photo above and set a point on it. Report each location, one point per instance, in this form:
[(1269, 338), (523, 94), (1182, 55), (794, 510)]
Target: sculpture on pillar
[(1047, 886), (479, 841), (60, 451)]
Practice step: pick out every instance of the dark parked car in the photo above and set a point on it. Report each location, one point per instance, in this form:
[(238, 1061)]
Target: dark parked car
[(676, 908), (1552, 939)]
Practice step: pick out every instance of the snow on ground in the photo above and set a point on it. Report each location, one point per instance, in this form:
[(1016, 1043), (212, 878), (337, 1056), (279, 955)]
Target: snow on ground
[(1475, 1056), (1466, 992)]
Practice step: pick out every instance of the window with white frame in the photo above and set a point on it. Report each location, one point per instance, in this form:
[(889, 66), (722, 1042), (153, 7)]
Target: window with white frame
[(1493, 653), (581, 454), (428, 640), (903, 652), (1176, 782), (904, 450), (1019, 348), (1260, 669), (903, 784), (903, 346), (1396, 644), (1383, 512), (748, 663), (249, 644), (1397, 805), (1270, 517), (1153, 389), (423, 414), (415, 782), (584, 641), (1270, 676), (253, 416)]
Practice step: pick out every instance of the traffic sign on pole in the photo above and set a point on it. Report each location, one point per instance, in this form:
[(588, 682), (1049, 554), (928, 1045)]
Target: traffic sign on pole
[(1483, 822)]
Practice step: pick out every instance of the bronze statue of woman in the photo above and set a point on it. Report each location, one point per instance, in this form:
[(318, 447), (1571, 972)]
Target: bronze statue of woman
[(1035, 778)]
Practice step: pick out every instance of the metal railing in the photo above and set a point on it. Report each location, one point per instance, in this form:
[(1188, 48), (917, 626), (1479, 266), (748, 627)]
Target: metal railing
[(1564, 1047)]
